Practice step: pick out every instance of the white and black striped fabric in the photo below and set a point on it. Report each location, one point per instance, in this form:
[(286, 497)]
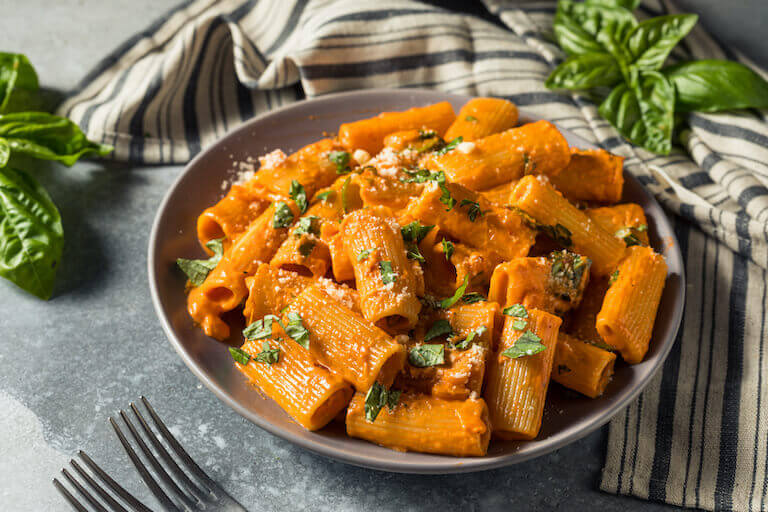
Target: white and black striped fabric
[(698, 435)]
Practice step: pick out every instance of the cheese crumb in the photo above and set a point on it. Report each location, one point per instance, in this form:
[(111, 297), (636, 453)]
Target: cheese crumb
[(361, 156), (273, 159), (465, 147)]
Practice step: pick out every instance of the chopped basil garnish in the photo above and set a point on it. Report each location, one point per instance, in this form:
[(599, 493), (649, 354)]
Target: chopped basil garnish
[(387, 274), (305, 249), (425, 355), (323, 196), (309, 224), (283, 216), (629, 238), (377, 397), (517, 310), (427, 134), (240, 355), (474, 209), (419, 176), (412, 234), (450, 146), (268, 354), (559, 234), (614, 277), (526, 345), (446, 197), (567, 274), (441, 327), (299, 195), (260, 329), (296, 330), (471, 298), (341, 159), (364, 254), (519, 325), (466, 342), (471, 119), (447, 249), (642, 227), (198, 270), (450, 301), (344, 203)]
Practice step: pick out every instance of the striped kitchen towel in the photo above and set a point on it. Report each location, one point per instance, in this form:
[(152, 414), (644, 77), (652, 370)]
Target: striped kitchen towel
[(698, 435)]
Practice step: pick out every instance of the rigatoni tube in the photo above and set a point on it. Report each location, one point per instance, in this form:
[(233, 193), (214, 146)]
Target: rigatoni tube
[(345, 342), (423, 423)]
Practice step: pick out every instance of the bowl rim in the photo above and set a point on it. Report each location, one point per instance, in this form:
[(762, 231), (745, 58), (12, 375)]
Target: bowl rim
[(458, 465)]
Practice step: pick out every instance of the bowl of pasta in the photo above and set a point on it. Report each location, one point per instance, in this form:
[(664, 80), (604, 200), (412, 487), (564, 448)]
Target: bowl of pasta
[(416, 281)]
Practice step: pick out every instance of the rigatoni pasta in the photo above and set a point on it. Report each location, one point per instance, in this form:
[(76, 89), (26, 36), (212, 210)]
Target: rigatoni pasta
[(429, 273)]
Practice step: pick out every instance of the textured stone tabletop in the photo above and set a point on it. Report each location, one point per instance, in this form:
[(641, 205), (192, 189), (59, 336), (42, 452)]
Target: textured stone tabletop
[(67, 364)]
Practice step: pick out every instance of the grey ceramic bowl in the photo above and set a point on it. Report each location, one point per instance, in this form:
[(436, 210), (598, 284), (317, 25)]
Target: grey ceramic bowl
[(567, 416)]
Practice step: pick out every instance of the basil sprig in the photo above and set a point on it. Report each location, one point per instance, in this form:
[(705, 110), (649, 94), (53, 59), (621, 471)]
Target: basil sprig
[(608, 48), (31, 232)]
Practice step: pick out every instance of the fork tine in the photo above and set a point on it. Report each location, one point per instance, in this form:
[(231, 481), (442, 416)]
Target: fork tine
[(151, 483), (135, 504), (83, 492), (159, 470), (68, 496), (181, 452), (169, 462), (96, 487)]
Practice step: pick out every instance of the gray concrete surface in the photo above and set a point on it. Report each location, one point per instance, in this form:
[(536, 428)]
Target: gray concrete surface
[(67, 364)]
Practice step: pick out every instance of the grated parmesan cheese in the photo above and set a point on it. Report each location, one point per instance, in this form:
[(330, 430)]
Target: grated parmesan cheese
[(273, 159), (361, 156), (465, 147)]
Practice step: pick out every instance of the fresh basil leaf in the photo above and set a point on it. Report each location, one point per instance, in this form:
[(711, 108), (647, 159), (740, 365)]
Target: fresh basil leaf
[(644, 114), (446, 197), (5, 152), (18, 83), (240, 355), (583, 28), (713, 85), (323, 196), (415, 232), (473, 209), (283, 216), (31, 234), (517, 310), (418, 176), (629, 238), (527, 344), (377, 397), (305, 249), (296, 331), (519, 325), (344, 200), (441, 327), (341, 159), (630, 5), (48, 137), (473, 297), (614, 277), (198, 270), (422, 356), (450, 301), (308, 225), (259, 329), (450, 146), (268, 355), (470, 119), (466, 342), (387, 274), (447, 249), (584, 72), (299, 195), (363, 255), (650, 42)]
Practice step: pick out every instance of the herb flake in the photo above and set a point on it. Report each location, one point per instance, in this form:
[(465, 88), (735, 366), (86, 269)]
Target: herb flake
[(378, 397), (450, 301), (527, 344), (441, 327), (387, 274), (428, 354), (240, 355), (299, 195), (283, 216), (341, 159), (447, 249), (198, 270), (450, 146), (517, 310), (296, 331), (268, 355)]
